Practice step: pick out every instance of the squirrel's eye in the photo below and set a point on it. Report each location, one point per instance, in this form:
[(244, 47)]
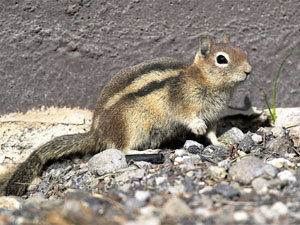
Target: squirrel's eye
[(221, 59)]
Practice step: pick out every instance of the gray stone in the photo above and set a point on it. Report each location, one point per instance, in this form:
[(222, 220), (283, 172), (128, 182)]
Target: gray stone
[(107, 161), (131, 174), (245, 170), (36, 198), (175, 208), (226, 190), (232, 136), (278, 145), (193, 147), (246, 144), (270, 171)]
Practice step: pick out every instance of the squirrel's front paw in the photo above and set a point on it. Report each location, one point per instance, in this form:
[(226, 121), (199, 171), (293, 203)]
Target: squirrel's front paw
[(198, 127)]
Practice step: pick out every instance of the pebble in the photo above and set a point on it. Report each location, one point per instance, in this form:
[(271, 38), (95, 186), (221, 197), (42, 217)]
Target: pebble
[(232, 136), (270, 171), (279, 208), (144, 165), (130, 174), (240, 216), (188, 163), (216, 173), (246, 144), (193, 147), (280, 162), (260, 185), (257, 138), (180, 152), (226, 190), (175, 208), (286, 175), (278, 145), (160, 180), (9, 203), (245, 170), (277, 131), (36, 198), (107, 161), (142, 195)]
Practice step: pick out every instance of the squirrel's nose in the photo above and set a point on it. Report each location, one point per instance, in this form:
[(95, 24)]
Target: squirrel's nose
[(247, 73)]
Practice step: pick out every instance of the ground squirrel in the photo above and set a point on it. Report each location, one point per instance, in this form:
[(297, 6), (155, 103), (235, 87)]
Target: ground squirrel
[(146, 104)]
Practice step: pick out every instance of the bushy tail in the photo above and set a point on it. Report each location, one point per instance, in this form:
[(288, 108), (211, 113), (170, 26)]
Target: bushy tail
[(57, 148)]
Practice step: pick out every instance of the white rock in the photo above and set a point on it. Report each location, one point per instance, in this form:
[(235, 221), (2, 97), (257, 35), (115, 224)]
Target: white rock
[(178, 160), (279, 162), (260, 185), (180, 152), (107, 161), (280, 208), (175, 208), (160, 180), (176, 189), (144, 221), (277, 131), (190, 143), (203, 212), (240, 216), (9, 203), (2, 157), (135, 173), (206, 189), (224, 163), (142, 195), (287, 117), (188, 163), (216, 173), (257, 138), (287, 175)]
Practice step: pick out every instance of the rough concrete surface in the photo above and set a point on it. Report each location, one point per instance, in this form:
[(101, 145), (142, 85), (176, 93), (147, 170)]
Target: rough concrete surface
[(62, 53)]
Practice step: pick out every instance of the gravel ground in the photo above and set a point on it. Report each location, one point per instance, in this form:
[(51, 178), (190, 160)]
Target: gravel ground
[(258, 183)]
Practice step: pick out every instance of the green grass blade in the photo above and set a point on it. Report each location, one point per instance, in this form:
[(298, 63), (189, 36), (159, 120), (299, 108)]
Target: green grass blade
[(267, 100), (276, 79)]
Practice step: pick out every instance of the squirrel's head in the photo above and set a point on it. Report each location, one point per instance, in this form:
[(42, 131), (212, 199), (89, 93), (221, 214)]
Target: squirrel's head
[(221, 64)]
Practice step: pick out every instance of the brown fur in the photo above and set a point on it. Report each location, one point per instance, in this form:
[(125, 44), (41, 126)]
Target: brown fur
[(146, 104)]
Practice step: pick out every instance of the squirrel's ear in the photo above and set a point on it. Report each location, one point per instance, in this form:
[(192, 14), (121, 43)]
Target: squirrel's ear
[(205, 46), (225, 38)]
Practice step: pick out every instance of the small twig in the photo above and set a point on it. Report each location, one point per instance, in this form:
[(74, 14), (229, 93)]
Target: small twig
[(115, 172), (236, 151), (264, 139), (291, 126), (298, 153), (230, 153), (186, 171)]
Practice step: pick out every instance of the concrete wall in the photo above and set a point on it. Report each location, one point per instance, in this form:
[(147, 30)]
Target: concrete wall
[(63, 52)]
